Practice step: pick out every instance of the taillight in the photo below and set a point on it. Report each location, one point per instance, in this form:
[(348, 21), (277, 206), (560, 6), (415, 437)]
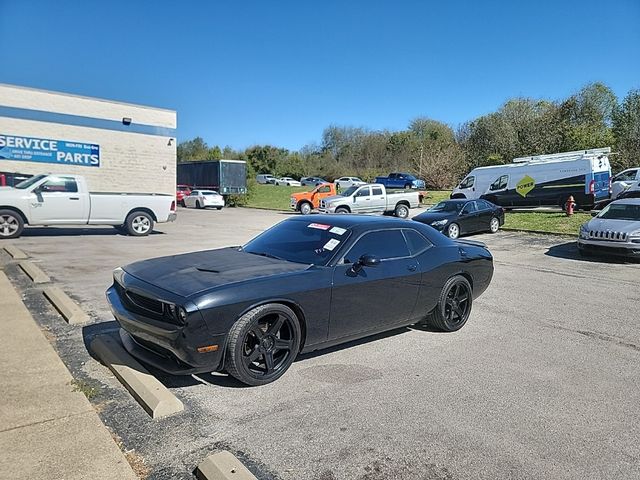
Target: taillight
[(610, 190), (173, 206), (592, 186)]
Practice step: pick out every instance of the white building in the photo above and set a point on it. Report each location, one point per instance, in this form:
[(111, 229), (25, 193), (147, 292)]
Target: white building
[(118, 147)]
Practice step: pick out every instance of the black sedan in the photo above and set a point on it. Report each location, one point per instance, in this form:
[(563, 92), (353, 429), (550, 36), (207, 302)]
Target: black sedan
[(300, 286), (457, 217)]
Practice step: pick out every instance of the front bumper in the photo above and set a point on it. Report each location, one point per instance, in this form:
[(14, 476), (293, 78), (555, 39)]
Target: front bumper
[(624, 249), (165, 346)]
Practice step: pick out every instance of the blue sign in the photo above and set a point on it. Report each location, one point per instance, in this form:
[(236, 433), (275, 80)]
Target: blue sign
[(43, 150)]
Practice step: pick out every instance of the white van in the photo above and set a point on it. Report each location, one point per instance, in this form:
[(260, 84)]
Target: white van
[(623, 181), (543, 180)]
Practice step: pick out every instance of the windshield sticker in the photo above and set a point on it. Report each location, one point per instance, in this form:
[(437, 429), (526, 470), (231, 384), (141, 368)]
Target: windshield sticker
[(331, 244), (338, 230), (319, 226)]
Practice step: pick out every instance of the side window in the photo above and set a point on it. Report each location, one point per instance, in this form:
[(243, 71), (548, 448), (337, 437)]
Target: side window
[(417, 243), (483, 205), (195, 193), (470, 207), (363, 192), (325, 189), (384, 244), (60, 184), (500, 183), (468, 182), (377, 191), (626, 177)]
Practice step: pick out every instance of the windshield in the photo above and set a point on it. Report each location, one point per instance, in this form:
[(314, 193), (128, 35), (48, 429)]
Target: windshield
[(209, 193), (299, 242), (29, 181), (621, 211), (446, 207), (349, 191)]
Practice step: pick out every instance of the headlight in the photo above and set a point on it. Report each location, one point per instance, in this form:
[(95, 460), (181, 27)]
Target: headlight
[(635, 234), (177, 312), (584, 232), (118, 274), (439, 223)]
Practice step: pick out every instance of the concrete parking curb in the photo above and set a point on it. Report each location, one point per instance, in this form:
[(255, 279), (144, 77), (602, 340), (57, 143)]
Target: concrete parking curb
[(69, 309), (15, 252), (223, 465), (34, 272), (152, 395)]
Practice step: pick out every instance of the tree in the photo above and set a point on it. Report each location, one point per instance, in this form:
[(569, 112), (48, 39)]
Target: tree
[(626, 131), (190, 150), (265, 158)]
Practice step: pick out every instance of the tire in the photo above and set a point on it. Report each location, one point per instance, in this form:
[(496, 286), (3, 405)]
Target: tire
[(288, 184), (218, 208), (259, 351), (305, 208), (494, 225), (199, 205), (401, 211), (407, 186), (11, 224), (453, 231), (342, 210), (451, 313), (139, 224)]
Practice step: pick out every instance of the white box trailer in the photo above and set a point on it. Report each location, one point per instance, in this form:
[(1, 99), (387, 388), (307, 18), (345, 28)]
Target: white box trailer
[(543, 180)]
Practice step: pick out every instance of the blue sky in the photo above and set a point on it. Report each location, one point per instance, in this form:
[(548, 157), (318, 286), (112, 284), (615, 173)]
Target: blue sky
[(246, 72)]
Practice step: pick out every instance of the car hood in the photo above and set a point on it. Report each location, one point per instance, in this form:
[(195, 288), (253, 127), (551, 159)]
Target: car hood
[(429, 217), (191, 273), (622, 226), (301, 195), (333, 198)]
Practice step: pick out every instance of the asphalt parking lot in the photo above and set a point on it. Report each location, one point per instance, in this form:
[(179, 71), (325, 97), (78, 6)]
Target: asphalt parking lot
[(542, 382)]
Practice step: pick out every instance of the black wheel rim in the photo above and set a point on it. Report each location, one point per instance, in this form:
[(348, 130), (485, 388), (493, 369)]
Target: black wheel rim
[(457, 304), (268, 345)]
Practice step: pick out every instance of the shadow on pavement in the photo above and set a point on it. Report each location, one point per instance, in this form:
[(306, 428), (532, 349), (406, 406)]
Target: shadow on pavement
[(569, 251), (74, 232)]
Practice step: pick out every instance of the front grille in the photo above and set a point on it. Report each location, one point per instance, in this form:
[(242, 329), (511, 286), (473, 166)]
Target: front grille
[(607, 235), (146, 303)]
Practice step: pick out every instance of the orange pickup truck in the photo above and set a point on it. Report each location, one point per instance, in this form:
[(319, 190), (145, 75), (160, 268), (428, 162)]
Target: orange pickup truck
[(304, 202)]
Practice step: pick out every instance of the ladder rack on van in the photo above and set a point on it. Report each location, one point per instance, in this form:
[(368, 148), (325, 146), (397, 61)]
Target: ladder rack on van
[(564, 155)]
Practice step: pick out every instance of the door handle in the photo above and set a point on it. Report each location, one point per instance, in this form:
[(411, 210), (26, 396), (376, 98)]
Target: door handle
[(74, 198), (412, 268)]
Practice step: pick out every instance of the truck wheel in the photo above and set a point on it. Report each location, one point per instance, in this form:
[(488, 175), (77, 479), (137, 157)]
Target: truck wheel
[(401, 211), (139, 224), (342, 210), (11, 224), (305, 208)]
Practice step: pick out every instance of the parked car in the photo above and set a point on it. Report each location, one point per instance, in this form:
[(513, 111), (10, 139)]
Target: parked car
[(613, 231), (400, 180), (181, 192), (288, 181), (265, 178), (65, 200), (204, 199), (372, 198), (623, 180), (305, 202), (312, 181), (298, 287), (346, 182), (457, 217)]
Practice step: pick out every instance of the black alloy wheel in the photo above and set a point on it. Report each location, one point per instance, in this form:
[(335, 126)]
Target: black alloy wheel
[(454, 305), (263, 344)]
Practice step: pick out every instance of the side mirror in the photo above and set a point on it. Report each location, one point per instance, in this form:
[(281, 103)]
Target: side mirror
[(593, 214), (365, 260), (369, 260)]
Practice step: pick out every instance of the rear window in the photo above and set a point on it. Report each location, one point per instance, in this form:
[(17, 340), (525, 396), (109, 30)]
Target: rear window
[(416, 242)]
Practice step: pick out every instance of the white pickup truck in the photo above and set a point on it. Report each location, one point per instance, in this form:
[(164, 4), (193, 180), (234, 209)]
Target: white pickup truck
[(371, 198), (65, 200)]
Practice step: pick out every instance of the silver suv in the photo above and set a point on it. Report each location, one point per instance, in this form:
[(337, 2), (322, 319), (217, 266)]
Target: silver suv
[(613, 231)]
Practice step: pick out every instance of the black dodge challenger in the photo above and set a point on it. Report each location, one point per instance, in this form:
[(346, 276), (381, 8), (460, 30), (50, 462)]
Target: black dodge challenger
[(300, 286)]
